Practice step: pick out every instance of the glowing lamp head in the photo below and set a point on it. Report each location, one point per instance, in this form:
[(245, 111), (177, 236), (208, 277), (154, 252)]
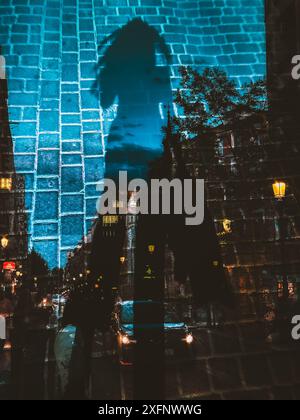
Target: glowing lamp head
[(125, 340), (122, 260), (227, 226), (4, 242), (151, 248), (189, 339), (279, 190)]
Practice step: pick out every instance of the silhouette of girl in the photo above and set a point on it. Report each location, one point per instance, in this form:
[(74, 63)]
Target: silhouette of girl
[(128, 75)]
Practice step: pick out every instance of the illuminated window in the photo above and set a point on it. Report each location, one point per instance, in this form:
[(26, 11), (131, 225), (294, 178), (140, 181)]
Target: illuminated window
[(280, 289), (5, 184), (291, 287), (110, 220)]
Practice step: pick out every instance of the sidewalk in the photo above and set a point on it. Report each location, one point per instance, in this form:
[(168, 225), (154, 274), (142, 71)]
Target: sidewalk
[(232, 362)]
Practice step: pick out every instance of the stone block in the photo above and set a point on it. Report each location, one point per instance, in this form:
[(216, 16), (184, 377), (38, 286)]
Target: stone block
[(48, 162), (224, 373), (256, 370), (46, 206), (72, 229), (72, 203)]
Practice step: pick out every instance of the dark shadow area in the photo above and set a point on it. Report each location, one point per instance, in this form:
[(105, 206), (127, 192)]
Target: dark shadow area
[(128, 75)]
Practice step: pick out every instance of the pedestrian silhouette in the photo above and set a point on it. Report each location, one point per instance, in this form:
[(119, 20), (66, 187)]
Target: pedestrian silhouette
[(128, 74)]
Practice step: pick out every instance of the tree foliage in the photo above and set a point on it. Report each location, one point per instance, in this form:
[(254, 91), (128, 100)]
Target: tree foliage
[(211, 99), (37, 266)]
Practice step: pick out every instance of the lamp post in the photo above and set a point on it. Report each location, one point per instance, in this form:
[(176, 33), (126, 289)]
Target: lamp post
[(279, 190)]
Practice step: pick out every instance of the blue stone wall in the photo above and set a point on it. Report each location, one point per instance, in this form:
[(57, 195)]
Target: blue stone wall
[(59, 128)]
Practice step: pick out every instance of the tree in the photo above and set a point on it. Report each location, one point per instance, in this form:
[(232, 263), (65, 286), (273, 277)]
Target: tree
[(37, 266), (211, 99)]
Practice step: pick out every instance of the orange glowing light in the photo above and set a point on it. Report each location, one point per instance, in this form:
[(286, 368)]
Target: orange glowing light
[(151, 248), (6, 184), (279, 190)]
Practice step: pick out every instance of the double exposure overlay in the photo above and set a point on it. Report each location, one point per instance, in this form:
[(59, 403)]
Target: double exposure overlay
[(149, 202), (85, 73)]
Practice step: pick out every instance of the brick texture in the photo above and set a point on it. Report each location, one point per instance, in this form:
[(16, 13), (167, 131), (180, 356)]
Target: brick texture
[(59, 127)]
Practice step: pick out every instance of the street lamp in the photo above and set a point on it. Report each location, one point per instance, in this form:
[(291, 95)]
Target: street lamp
[(279, 190), (227, 226), (4, 242), (6, 184), (151, 248)]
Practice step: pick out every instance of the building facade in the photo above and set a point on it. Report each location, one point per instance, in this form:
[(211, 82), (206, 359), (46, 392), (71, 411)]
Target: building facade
[(13, 221), (62, 124), (283, 44), (258, 235)]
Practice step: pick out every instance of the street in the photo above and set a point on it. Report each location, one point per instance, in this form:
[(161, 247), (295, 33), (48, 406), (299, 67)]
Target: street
[(232, 362)]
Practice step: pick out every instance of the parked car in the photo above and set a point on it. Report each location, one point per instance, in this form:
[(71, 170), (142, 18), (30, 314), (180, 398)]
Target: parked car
[(177, 339)]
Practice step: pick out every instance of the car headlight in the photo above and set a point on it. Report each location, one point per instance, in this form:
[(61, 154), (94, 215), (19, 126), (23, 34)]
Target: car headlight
[(189, 339)]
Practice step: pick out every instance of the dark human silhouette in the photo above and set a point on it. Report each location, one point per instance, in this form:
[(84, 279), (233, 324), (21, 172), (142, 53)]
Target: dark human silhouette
[(6, 309), (29, 340), (128, 75)]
